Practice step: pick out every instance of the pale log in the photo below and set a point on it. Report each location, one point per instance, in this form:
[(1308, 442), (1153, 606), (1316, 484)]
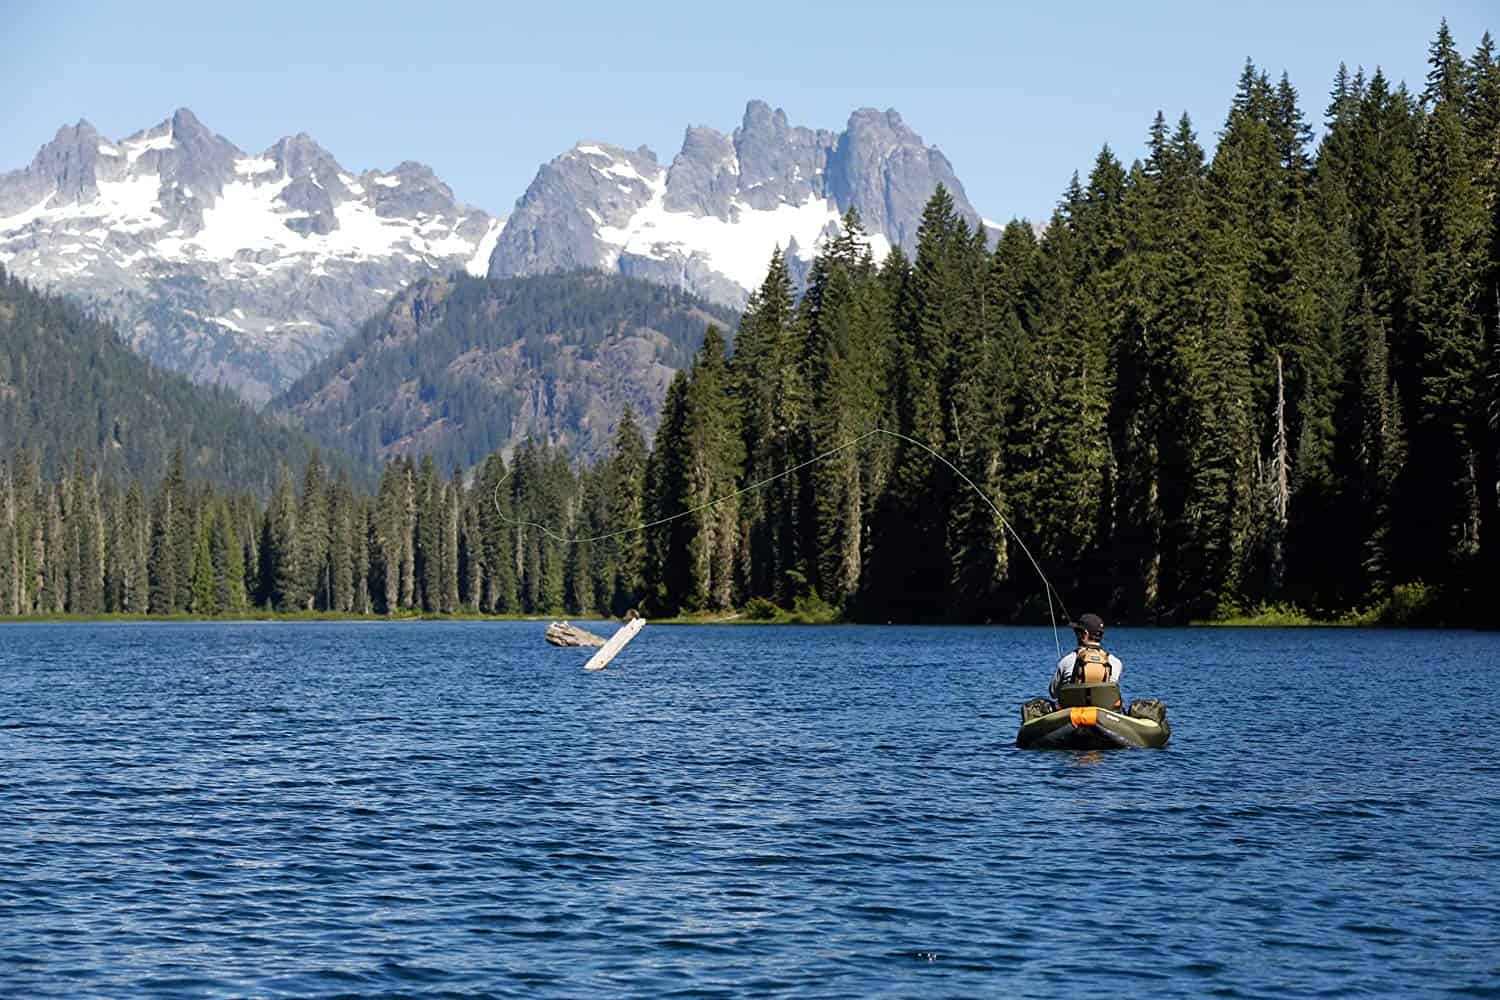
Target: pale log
[(616, 642), (568, 634)]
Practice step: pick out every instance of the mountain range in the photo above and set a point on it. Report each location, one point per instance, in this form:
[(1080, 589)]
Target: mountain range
[(236, 269), (245, 271)]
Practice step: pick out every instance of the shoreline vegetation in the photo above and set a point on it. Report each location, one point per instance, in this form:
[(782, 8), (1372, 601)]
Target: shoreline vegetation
[(1251, 387), (1409, 607)]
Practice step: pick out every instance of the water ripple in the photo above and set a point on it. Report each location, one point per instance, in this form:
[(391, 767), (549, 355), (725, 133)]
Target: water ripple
[(456, 810)]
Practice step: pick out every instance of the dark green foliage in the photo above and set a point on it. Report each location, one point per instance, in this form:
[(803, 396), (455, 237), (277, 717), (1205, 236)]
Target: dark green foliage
[(67, 385), (1193, 393), (770, 385), (620, 563), (422, 544)]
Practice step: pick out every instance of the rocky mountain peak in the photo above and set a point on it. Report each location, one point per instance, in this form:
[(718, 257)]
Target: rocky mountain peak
[(761, 119), (705, 175), (314, 184), (888, 120), (80, 136), (779, 163), (885, 170), (66, 165), (711, 221), (300, 156), (412, 189), (186, 128)]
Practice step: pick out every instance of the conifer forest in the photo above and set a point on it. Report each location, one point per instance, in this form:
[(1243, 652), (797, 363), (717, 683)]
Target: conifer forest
[(1206, 385)]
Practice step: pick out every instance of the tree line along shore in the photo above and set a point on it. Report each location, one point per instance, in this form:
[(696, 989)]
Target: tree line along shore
[(1258, 384)]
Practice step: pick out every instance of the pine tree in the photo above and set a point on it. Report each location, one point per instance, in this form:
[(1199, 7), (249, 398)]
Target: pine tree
[(281, 556), (846, 347), (86, 540), (227, 557), (499, 545), (313, 536), (429, 536), (363, 529), (162, 567), (581, 585), (29, 535), (713, 461), (52, 554), (452, 504), (470, 550), (1163, 314), (1450, 432), (668, 570), (554, 504), (982, 577), (625, 485), (205, 596), (134, 547), (1483, 114), (1324, 290), (769, 382), (341, 547), (10, 564), (1058, 449), (407, 499), (911, 574)]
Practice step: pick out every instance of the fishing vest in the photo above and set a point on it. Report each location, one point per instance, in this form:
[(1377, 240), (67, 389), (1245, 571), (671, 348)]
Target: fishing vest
[(1090, 665)]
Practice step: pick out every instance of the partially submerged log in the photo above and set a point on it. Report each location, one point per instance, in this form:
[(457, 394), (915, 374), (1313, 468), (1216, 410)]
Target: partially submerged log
[(616, 642), (568, 634)]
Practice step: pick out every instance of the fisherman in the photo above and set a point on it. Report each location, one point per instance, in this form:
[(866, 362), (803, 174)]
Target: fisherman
[(1090, 663)]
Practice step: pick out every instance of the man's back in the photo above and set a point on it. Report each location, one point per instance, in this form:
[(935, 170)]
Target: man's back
[(1098, 667)]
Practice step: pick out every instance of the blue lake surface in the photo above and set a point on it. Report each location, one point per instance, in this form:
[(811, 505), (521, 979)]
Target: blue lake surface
[(458, 810)]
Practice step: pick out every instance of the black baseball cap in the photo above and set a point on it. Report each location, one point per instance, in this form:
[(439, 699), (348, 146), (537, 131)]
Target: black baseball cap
[(1092, 624)]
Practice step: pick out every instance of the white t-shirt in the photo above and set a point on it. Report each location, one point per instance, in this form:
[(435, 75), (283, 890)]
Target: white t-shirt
[(1064, 671)]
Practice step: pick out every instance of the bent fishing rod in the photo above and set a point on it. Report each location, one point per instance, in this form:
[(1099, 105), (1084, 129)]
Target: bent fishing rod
[(1048, 588)]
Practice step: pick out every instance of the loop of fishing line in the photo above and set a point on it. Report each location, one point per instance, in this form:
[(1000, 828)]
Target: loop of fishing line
[(1050, 590)]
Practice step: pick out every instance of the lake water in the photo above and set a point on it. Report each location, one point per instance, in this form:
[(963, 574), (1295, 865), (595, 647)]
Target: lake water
[(458, 810)]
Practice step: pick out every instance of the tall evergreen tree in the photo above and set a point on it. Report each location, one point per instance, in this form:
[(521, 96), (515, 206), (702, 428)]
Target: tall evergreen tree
[(911, 575), (668, 567), (769, 381), (281, 570), (624, 505)]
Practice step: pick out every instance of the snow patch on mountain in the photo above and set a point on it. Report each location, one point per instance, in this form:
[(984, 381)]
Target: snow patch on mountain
[(737, 247), (135, 150), (126, 206), (250, 166)]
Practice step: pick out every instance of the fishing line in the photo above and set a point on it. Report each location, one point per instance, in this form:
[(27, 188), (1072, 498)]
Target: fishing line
[(1050, 590)]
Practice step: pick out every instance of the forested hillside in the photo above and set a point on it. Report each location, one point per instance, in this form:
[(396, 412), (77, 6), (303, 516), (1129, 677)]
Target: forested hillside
[(69, 387), (1272, 376), (457, 368)]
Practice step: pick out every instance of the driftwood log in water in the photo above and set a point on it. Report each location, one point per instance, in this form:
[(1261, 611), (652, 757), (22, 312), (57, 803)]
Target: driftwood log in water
[(628, 631), (567, 634)]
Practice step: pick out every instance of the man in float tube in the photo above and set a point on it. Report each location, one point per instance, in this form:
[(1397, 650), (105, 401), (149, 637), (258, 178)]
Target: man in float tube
[(1090, 663)]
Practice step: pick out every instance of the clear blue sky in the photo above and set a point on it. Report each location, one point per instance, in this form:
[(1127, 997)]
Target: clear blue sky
[(1017, 95)]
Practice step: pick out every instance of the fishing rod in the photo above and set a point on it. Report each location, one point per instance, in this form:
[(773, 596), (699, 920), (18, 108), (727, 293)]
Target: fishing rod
[(1049, 590)]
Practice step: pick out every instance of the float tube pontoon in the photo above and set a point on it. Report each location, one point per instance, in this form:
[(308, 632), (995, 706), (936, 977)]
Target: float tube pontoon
[(1090, 717)]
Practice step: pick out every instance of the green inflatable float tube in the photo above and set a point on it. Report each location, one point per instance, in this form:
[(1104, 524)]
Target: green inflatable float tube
[(1091, 717)]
